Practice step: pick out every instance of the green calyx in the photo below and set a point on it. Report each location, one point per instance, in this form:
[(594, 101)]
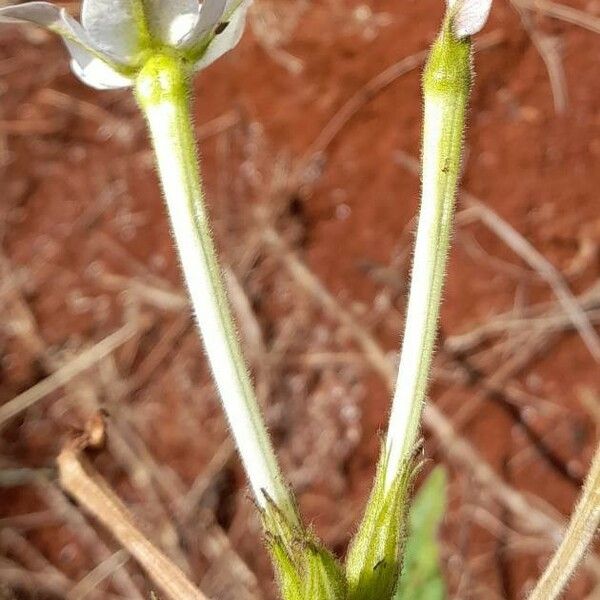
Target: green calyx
[(385, 560), (305, 569), (448, 69), (374, 560), (162, 79)]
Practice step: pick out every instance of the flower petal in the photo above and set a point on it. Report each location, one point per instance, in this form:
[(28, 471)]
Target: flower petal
[(469, 16), (211, 12), (228, 38), (115, 26), (96, 73), (87, 62), (41, 13), (171, 20)]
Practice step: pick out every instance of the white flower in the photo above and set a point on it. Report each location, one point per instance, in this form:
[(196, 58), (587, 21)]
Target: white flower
[(116, 37), (468, 16)]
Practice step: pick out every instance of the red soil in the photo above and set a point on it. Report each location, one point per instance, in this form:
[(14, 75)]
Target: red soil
[(81, 205)]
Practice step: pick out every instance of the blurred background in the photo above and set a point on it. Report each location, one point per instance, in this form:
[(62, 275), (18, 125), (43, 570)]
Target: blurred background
[(309, 133)]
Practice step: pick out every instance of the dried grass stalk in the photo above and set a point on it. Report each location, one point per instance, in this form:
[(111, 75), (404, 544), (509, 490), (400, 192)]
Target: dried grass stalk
[(80, 480)]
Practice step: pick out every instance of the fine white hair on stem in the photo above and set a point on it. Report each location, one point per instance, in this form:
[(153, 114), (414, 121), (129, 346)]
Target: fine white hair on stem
[(446, 86), (468, 16), (169, 121)]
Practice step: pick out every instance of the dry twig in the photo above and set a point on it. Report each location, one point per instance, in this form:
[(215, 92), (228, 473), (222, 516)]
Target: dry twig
[(578, 537), (79, 479), (562, 12), (96, 576), (549, 49), (67, 372)]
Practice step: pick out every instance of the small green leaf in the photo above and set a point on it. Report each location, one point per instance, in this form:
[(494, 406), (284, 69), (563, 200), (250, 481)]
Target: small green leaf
[(421, 574), (375, 555)]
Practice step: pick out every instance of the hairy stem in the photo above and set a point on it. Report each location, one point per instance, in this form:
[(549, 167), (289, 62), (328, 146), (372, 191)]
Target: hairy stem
[(578, 537), (446, 85), (162, 90)]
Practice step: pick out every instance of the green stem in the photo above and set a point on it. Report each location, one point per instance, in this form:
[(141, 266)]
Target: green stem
[(446, 86), (162, 91), (578, 537)]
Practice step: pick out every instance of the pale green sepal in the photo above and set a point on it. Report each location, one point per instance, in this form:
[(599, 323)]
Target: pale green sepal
[(449, 70), (326, 580), (375, 556), (305, 569), (421, 573), (162, 80), (289, 577)]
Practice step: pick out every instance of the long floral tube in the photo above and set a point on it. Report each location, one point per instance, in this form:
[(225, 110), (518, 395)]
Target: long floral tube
[(446, 86), (163, 95)]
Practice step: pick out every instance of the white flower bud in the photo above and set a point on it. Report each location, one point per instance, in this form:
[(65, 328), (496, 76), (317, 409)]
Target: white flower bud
[(468, 16)]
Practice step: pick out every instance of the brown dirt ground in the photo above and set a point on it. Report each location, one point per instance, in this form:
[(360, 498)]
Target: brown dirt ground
[(85, 246)]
